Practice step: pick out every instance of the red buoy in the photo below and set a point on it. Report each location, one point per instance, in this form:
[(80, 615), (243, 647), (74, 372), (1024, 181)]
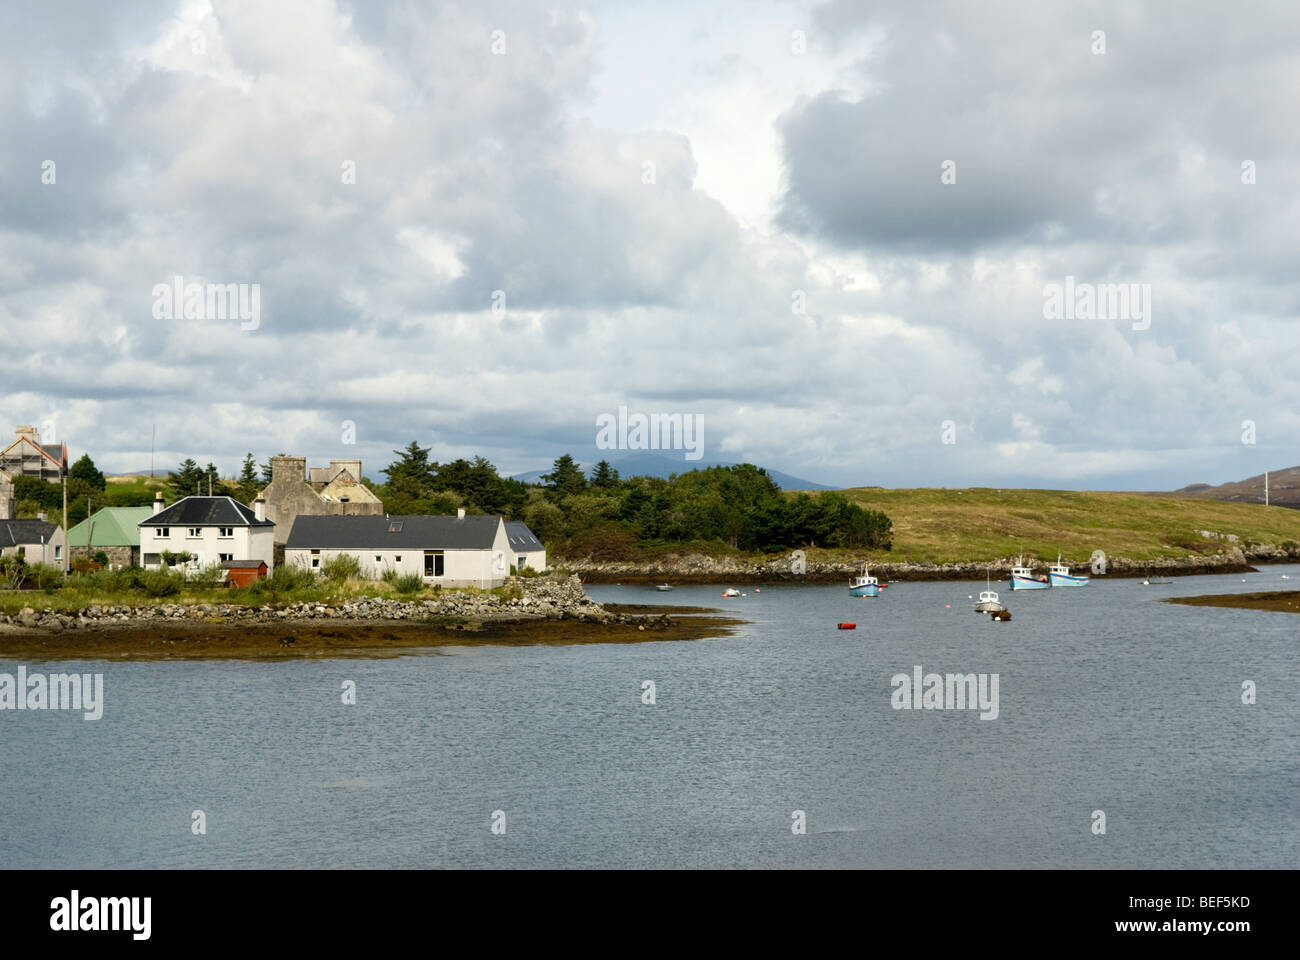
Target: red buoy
[(848, 626)]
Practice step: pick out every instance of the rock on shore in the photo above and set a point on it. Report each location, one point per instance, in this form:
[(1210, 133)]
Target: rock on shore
[(701, 568), (556, 597)]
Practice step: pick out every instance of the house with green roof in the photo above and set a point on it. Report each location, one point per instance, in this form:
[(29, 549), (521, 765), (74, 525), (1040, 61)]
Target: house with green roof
[(115, 530)]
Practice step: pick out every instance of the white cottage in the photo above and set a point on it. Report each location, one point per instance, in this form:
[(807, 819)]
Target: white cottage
[(459, 551), (214, 530), (527, 551), (36, 541)]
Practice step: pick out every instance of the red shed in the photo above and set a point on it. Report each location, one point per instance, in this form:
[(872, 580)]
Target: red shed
[(240, 573)]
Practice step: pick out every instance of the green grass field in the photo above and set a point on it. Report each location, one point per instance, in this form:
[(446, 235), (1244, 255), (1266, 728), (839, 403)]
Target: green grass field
[(984, 523)]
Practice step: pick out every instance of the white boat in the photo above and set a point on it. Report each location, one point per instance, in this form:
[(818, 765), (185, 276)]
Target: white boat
[(731, 592), (1060, 576), (989, 602), (1022, 578), (663, 587), (865, 585)]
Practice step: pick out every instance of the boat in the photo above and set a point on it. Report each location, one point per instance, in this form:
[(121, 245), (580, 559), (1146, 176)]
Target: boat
[(663, 588), (865, 585), (731, 592), (1022, 578), (1155, 581), (988, 602), (1060, 576)]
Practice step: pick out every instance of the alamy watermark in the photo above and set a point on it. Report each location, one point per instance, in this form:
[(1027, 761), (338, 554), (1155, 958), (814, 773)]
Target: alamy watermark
[(950, 691), (1098, 301), (655, 431), (179, 300), (58, 691)]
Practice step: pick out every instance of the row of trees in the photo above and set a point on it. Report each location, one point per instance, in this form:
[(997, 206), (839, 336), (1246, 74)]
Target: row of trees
[(606, 515)]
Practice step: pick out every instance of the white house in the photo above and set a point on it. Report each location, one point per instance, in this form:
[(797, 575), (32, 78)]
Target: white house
[(459, 551), (527, 551), (37, 541), (214, 530)]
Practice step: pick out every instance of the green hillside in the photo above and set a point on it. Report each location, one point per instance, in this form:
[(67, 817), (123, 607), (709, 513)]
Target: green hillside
[(983, 523)]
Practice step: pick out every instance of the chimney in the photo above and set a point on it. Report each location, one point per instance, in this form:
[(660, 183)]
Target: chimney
[(288, 468), (460, 513), (157, 504), (41, 515), (6, 497), (259, 509)]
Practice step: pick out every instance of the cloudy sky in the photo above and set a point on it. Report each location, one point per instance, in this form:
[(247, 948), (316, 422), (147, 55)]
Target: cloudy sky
[(826, 228)]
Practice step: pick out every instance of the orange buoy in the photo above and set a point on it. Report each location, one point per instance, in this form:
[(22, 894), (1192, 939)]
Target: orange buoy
[(848, 626)]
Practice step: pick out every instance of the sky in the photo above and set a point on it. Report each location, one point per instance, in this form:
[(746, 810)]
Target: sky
[(829, 232)]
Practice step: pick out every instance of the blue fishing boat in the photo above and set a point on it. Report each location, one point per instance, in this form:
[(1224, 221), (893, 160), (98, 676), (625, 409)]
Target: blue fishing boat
[(865, 585), (1022, 578), (1060, 576)]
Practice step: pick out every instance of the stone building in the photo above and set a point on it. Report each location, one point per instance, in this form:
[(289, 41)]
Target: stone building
[(28, 457), (113, 530), (6, 497), (335, 490)]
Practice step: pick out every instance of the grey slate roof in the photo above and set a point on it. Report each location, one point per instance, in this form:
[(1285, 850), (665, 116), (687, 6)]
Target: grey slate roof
[(521, 538), (242, 564), (205, 512), (16, 532), (472, 532)]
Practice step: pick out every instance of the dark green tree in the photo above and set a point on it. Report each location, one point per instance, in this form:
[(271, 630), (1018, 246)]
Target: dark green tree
[(247, 484), (604, 476), (411, 475), (187, 478), (85, 469), (565, 479)]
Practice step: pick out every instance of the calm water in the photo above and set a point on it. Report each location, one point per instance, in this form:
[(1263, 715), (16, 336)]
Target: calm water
[(1108, 700)]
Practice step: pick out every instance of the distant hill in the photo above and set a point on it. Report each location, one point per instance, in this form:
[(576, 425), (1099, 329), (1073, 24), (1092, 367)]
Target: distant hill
[(657, 465), (1283, 489)]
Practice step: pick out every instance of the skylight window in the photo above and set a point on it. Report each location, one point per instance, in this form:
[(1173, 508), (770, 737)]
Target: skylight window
[(395, 526)]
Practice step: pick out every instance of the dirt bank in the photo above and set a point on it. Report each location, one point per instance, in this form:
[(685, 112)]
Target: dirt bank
[(296, 640), (1281, 601)]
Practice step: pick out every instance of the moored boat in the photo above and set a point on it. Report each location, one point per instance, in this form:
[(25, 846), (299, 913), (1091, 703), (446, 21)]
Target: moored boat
[(865, 585), (989, 602), (1022, 578), (1060, 576)]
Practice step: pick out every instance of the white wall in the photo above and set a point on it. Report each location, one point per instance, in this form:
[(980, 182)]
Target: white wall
[(247, 543), (51, 552), (533, 560)]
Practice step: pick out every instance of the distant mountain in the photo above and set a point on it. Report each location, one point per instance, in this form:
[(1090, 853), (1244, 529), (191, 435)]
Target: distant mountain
[(1283, 489), (657, 465)]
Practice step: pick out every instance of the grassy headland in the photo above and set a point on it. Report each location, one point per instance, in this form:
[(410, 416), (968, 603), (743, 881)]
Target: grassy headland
[(971, 525)]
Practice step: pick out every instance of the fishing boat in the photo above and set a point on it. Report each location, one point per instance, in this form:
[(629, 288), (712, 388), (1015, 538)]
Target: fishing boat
[(1022, 578), (663, 588), (1060, 576), (1155, 581), (865, 585), (989, 602)]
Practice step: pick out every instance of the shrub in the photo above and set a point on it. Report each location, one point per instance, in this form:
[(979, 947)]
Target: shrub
[(159, 583), (100, 558), (340, 567), (408, 583), (389, 575), (283, 579), (44, 577)]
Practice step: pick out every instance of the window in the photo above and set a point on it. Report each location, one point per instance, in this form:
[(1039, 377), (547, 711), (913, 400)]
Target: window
[(151, 559), (225, 557), (315, 559), (519, 562), (378, 558), (395, 526), (397, 559), (58, 551), (162, 533), (433, 563), (225, 533), (194, 533)]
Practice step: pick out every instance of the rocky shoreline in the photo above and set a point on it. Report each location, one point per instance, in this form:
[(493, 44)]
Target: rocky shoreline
[(544, 598), (701, 568)]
